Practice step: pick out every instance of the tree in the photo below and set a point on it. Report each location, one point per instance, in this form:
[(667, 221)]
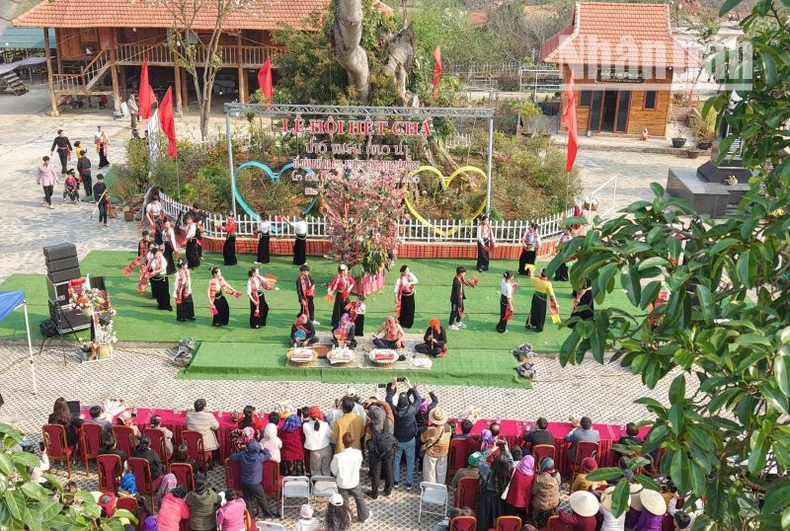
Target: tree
[(196, 53), (726, 323), (346, 43)]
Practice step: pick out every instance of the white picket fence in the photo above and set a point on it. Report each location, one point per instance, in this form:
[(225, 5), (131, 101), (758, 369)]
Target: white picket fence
[(413, 230)]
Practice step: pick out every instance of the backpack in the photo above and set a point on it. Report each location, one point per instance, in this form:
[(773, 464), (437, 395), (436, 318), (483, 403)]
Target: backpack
[(526, 370), (384, 444)]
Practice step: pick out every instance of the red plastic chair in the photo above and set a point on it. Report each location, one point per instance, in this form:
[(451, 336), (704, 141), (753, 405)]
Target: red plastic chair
[(460, 450), (555, 524), (271, 479), (248, 521), (194, 440), (184, 474), (158, 444), (110, 469), (233, 475), (90, 442), (131, 505), (583, 450), (508, 523), (467, 493), (541, 451), (463, 523), (124, 438), (142, 476), (56, 445)]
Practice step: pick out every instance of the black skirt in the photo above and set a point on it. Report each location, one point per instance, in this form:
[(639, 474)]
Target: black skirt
[(537, 314), (193, 254), (300, 250), (482, 256), (561, 274), (263, 249), (229, 251), (406, 318), (526, 258), (160, 288), (168, 254), (186, 310), (257, 322), (338, 309), (501, 326), (223, 311), (359, 325)]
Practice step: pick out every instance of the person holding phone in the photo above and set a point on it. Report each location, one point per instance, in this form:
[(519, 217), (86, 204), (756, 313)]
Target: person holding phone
[(405, 413)]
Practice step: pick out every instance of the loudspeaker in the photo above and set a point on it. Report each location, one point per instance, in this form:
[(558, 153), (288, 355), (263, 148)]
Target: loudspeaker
[(60, 251), (68, 318), (64, 276), (58, 292), (72, 262)]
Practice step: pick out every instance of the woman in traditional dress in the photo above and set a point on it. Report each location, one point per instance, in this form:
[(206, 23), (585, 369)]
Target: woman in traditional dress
[(264, 229), (182, 293), (404, 297), (305, 292), (530, 244), (229, 247), (259, 309), (435, 340), (561, 275), (583, 304), (300, 242), (506, 288), (191, 239), (544, 295), (390, 334), (160, 285), (485, 242), (218, 305), (102, 144), (341, 287), (170, 246)]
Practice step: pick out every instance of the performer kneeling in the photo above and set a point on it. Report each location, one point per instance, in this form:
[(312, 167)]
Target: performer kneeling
[(390, 334), (185, 309), (160, 285), (218, 305), (303, 332), (344, 333), (435, 340), (259, 310)]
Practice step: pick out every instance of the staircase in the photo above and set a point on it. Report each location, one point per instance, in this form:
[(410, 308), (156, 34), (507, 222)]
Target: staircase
[(10, 82), (82, 84)]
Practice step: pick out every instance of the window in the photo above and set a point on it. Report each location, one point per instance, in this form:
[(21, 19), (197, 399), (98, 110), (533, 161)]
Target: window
[(586, 96), (650, 100)]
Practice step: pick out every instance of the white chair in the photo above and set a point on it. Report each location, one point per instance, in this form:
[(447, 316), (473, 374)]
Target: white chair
[(433, 494), (294, 487), (323, 487), (268, 526)]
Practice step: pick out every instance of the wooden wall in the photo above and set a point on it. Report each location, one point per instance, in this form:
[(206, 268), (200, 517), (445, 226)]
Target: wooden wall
[(655, 120)]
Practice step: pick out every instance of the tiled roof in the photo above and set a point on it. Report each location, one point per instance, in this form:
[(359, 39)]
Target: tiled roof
[(616, 33), (143, 14)]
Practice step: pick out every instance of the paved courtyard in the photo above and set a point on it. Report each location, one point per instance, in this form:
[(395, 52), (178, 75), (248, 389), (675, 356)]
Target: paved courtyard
[(145, 376)]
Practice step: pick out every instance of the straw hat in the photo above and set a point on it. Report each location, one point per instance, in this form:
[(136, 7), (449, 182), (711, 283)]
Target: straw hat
[(606, 498), (584, 503), (653, 502), (336, 499), (438, 416), (636, 502)]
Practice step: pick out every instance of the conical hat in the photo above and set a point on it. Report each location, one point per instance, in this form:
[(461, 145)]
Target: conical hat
[(584, 503), (653, 502), (606, 498), (636, 502)]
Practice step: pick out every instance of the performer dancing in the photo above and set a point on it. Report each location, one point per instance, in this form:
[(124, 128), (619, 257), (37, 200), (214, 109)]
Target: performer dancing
[(229, 247), (530, 245), (457, 297), (506, 288), (62, 144), (259, 309), (404, 297), (197, 216), (170, 246), (102, 199), (185, 309), (305, 291), (156, 217), (192, 249), (584, 303), (342, 285), (544, 292), (264, 228), (160, 285), (303, 332), (485, 243), (561, 275), (300, 243), (218, 305), (84, 170), (435, 340), (102, 145)]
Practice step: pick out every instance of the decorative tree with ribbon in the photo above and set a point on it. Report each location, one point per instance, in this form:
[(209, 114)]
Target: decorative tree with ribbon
[(361, 208)]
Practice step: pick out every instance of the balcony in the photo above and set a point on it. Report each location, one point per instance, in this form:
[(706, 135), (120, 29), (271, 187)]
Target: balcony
[(159, 54)]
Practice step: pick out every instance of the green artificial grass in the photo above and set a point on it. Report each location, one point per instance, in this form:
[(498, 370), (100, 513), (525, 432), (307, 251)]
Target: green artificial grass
[(477, 356)]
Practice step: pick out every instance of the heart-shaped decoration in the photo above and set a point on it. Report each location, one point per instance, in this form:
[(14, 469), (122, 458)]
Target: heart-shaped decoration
[(273, 176), (445, 181)]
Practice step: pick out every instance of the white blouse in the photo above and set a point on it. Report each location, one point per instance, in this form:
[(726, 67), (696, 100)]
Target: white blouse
[(506, 288), (316, 440), (264, 226)]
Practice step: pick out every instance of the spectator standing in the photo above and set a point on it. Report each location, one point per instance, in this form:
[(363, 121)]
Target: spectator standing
[(202, 503), (519, 492), (317, 440), (351, 423), (251, 460), (405, 414), (345, 467), (545, 493), (436, 445), (134, 109), (382, 446), (47, 179), (271, 442), (292, 463)]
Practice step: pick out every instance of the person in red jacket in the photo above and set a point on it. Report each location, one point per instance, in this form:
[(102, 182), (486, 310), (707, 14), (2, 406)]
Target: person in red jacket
[(173, 510), (519, 494), (292, 453)]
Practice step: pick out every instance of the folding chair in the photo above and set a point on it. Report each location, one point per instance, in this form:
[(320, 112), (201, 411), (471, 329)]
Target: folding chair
[(56, 445), (269, 526), (434, 494), (508, 523), (460, 450), (124, 438), (194, 440), (131, 505), (323, 487), (466, 494), (90, 442), (184, 474), (232, 475), (294, 487), (583, 450), (463, 523), (142, 476), (158, 445), (110, 468), (542, 451)]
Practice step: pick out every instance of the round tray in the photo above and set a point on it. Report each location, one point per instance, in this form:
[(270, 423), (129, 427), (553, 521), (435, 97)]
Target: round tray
[(372, 357), (338, 364), (305, 363)]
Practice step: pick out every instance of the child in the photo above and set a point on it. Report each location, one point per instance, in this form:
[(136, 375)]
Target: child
[(457, 297), (71, 187), (271, 442), (357, 311)]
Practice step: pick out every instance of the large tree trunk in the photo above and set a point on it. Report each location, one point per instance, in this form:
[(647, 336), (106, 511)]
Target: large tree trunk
[(399, 64), (346, 38)]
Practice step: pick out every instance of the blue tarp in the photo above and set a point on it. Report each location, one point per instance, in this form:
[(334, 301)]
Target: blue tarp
[(10, 301)]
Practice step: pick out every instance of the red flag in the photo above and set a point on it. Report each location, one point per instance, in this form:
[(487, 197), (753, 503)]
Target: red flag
[(146, 96), (167, 123), (265, 79), (437, 66), (569, 119)]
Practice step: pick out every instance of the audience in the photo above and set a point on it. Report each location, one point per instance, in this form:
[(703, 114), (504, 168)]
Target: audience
[(317, 440), (584, 506), (109, 447), (435, 447), (230, 517), (337, 516), (405, 414), (653, 510), (96, 413), (271, 442), (169, 482), (470, 471), (204, 422), (382, 446), (292, 463), (181, 455), (580, 482), (143, 450), (610, 521), (582, 431), (61, 415), (519, 492), (251, 461), (351, 423), (682, 521), (306, 522), (156, 424), (491, 505), (202, 503), (631, 435), (538, 433), (173, 510), (545, 493), (345, 467), (466, 429)]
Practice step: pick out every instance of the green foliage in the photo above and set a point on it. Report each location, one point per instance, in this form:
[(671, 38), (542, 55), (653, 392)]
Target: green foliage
[(726, 323)]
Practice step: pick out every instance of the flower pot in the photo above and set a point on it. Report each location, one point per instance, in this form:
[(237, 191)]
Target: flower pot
[(704, 145), (104, 352), (87, 311), (678, 142), (693, 153)]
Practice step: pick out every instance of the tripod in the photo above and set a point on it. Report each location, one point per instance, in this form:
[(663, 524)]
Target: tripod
[(62, 337)]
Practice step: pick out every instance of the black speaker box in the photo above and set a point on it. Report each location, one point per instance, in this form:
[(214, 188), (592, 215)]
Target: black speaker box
[(58, 292), (72, 262), (67, 318), (60, 251), (64, 276)]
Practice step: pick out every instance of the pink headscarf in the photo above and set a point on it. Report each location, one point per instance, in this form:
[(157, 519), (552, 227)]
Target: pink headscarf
[(526, 466), (487, 440)]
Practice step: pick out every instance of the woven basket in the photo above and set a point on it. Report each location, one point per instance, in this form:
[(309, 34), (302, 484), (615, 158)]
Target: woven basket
[(300, 363), (379, 363)]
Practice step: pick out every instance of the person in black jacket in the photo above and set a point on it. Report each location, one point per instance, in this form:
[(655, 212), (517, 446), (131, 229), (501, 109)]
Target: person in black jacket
[(435, 340), (143, 449), (84, 171), (405, 430), (538, 434), (62, 144), (102, 201), (109, 447)]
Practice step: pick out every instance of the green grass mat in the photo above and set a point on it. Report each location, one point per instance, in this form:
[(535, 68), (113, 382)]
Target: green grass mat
[(478, 355)]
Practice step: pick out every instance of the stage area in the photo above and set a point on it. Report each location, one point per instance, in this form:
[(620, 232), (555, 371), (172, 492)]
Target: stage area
[(477, 356)]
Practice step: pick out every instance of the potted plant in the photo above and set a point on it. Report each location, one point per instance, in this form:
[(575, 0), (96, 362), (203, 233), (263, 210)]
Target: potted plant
[(731, 180), (704, 128), (693, 153), (678, 141)]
